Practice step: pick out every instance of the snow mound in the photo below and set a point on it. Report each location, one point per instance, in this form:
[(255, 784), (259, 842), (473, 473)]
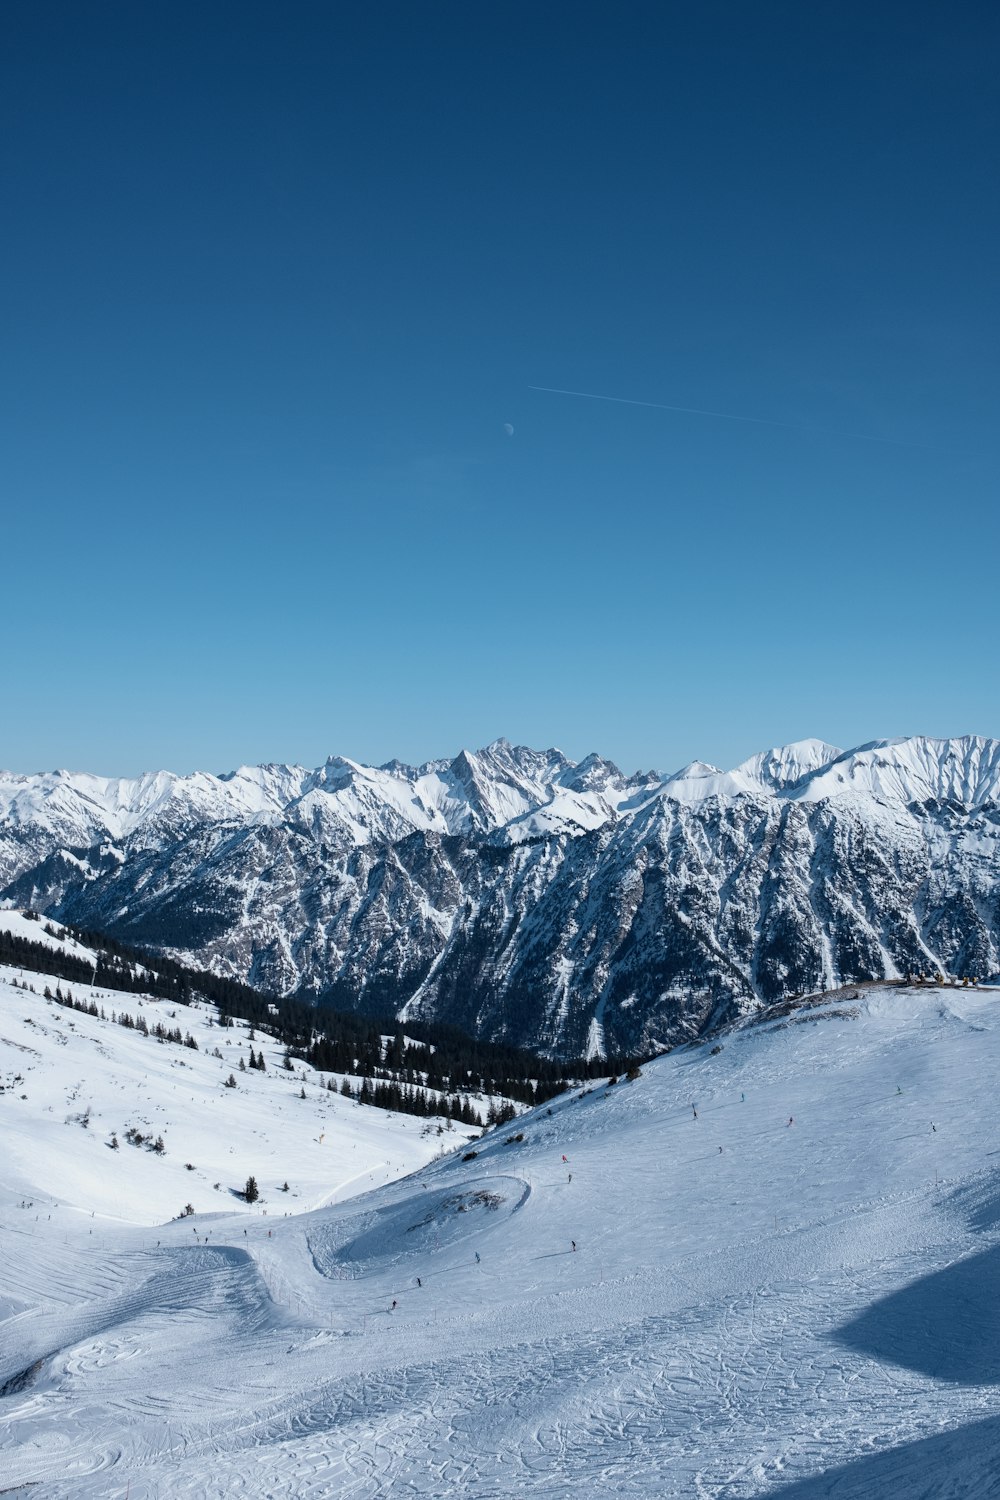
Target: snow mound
[(424, 1222)]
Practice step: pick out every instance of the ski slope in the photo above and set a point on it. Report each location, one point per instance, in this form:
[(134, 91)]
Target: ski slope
[(784, 1284)]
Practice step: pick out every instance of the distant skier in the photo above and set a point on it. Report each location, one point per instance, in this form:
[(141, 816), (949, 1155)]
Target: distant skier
[(694, 1111), (419, 1282), (934, 1128), (570, 1177), (565, 1158), (573, 1243), (743, 1098), (477, 1257), (720, 1150), (791, 1121), (394, 1304)]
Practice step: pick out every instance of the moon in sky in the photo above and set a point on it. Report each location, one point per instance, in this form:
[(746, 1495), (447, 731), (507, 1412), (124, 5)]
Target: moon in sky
[(508, 429)]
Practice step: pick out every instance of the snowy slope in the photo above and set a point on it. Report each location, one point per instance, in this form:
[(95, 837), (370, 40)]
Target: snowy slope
[(791, 1294), (33, 931), (527, 898), (71, 1081)]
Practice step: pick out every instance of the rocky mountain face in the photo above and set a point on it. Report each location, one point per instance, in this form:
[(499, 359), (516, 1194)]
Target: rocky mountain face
[(527, 898)]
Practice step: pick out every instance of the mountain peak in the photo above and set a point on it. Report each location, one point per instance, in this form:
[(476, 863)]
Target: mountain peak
[(785, 765)]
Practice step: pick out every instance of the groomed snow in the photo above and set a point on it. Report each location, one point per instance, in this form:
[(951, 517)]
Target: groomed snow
[(793, 1294)]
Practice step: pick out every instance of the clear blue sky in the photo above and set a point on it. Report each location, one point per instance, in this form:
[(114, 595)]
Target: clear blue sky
[(276, 277)]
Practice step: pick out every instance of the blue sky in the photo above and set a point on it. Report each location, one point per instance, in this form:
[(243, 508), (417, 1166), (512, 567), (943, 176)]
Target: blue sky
[(276, 278)]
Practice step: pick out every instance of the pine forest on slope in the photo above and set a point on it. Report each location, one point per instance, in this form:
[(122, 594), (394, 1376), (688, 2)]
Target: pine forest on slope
[(429, 1070)]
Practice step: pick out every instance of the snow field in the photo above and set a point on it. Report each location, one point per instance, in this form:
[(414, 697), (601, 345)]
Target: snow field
[(73, 1066), (808, 1311)]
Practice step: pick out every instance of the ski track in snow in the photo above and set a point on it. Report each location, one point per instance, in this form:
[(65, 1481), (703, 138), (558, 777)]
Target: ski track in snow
[(809, 1312)]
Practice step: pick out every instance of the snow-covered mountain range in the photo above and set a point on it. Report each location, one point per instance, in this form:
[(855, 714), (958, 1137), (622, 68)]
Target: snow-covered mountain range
[(521, 895)]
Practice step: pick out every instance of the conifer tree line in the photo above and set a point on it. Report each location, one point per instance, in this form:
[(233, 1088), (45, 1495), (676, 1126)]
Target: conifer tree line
[(122, 1018), (395, 1066), (113, 971), (403, 1100), (405, 1062)]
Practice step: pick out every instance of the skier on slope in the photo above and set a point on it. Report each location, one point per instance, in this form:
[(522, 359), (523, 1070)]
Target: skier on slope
[(694, 1111)]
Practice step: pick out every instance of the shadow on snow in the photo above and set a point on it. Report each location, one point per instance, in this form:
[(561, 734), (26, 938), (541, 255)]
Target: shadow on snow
[(963, 1464), (945, 1325)]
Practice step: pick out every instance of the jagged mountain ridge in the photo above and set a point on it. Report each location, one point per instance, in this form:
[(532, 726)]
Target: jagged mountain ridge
[(527, 897)]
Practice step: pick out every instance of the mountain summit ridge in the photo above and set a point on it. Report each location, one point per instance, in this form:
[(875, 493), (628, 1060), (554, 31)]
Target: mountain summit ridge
[(910, 768)]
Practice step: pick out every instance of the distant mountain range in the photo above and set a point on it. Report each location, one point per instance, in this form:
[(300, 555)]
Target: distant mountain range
[(528, 898)]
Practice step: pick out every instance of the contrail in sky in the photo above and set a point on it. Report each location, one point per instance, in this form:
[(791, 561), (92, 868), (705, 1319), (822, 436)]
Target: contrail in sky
[(732, 416)]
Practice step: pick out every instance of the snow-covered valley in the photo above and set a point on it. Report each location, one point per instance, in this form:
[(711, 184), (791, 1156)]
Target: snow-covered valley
[(783, 1283)]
